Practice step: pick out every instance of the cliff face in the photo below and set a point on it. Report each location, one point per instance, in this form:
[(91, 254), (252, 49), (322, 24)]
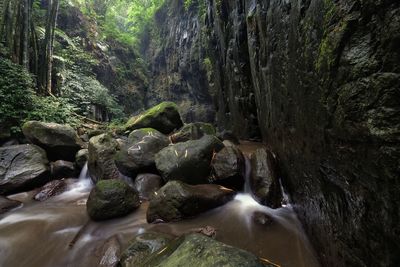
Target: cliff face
[(320, 80)]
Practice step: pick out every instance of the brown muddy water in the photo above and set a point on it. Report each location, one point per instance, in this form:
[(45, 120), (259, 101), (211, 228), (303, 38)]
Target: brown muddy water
[(39, 233)]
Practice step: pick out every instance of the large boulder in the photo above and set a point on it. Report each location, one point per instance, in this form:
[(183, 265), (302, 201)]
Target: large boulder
[(51, 189), (101, 165), (22, 167), (110, 199), (229, 168), (59, 140), (201, 251), (138, 154), (8, 204), (147, 184), (264, 179), (142, 246), (189, 161), (164, 117), (177, 200), (193, 131)]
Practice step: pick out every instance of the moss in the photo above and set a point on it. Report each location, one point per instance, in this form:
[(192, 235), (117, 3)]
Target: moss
[(107, 185)]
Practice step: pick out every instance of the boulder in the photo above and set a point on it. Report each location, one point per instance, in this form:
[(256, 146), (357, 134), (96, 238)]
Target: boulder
[(228, 136), (229, 168), (202, 251), (193, 131), (138, 154), (264, 179), (142, 246), (62, 169), (147, 184), (177, 200), (59, 140), (109, 252), (81, 158), (111, 199), (51, 189), (8, 204), (164, 117), (101, 165), (22, 167), (189, 161)]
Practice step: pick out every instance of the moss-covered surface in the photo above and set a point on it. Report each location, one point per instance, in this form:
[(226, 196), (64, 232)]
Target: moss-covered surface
[(193, 131)]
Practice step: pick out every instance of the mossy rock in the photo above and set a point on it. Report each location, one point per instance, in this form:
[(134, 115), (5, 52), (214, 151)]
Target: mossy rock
[(59, 140), (164, 117), (189, 161), (111, 199), (201, 251), (176, 201), (193, 131)]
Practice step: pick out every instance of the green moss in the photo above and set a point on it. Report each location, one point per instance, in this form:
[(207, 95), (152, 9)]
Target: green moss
[(107, 185)]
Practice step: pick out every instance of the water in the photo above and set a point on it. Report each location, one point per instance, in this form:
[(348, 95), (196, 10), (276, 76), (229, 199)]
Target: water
[(40, 233)]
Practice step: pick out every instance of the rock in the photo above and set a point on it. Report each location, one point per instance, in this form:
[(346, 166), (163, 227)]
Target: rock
[(208, 231), (138, 155), (101, 165), (262, 218), (193, 131), (229, 168), (109, 252), (201, 251), (12, 142), (177, 200), (110, 199), (164, 117), (228, 136), (142, 246), (81, 157), (264, 180), (95, 132), (62, 169), (51, 189), (22, 167), (60, 141), (147, 184), (189, 161), (8, 204)]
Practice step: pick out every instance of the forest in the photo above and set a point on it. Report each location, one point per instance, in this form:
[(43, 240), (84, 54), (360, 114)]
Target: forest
[(206, 133)]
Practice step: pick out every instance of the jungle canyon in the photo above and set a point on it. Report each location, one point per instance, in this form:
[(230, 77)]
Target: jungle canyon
[(316, 81)]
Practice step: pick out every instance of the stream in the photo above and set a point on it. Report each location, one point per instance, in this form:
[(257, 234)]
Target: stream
[(40, 233)]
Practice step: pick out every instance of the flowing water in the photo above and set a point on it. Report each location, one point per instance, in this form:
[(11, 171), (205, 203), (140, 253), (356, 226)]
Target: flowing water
[(44, 233)]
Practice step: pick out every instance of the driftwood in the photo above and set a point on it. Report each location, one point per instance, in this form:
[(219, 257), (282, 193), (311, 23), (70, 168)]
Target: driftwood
[(78, 235)]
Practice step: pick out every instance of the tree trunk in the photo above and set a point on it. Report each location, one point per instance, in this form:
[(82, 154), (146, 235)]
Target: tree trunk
[(25, 34)]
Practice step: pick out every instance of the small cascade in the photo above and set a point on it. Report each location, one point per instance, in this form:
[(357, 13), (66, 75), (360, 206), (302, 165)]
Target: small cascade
[(84, 173), (82, 186)]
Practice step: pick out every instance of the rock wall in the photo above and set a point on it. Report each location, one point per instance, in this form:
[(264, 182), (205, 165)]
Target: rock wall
[(320, 80)]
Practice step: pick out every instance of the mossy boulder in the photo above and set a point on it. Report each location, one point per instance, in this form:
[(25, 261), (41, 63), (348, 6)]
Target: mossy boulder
[(101, 165), (201, 251), (193, 131), (138, 154), (22, 167), (177, 200), (164, 117), (189, 161), (142, 246), (264, 179), (229, 168), (111, 199), (60, 141)]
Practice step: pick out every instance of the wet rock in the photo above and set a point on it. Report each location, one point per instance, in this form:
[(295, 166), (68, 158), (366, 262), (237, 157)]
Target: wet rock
[(12, 142), (51, 189), (8, 204), (147, 184), (139, 153), (262, 218), (142, 246), (202, 251), (101, 165), (193, 131), (189, 161), (110, 199), (177, 200), (264, 180), (208, 231), (226, 135), (109, 252), (62, 169), (60, 141), (81, 157), (22, 167), (229, 168), (164, 117)]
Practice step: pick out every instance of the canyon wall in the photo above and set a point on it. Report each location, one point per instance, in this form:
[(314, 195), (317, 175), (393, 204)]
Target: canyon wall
[(320, 81)]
